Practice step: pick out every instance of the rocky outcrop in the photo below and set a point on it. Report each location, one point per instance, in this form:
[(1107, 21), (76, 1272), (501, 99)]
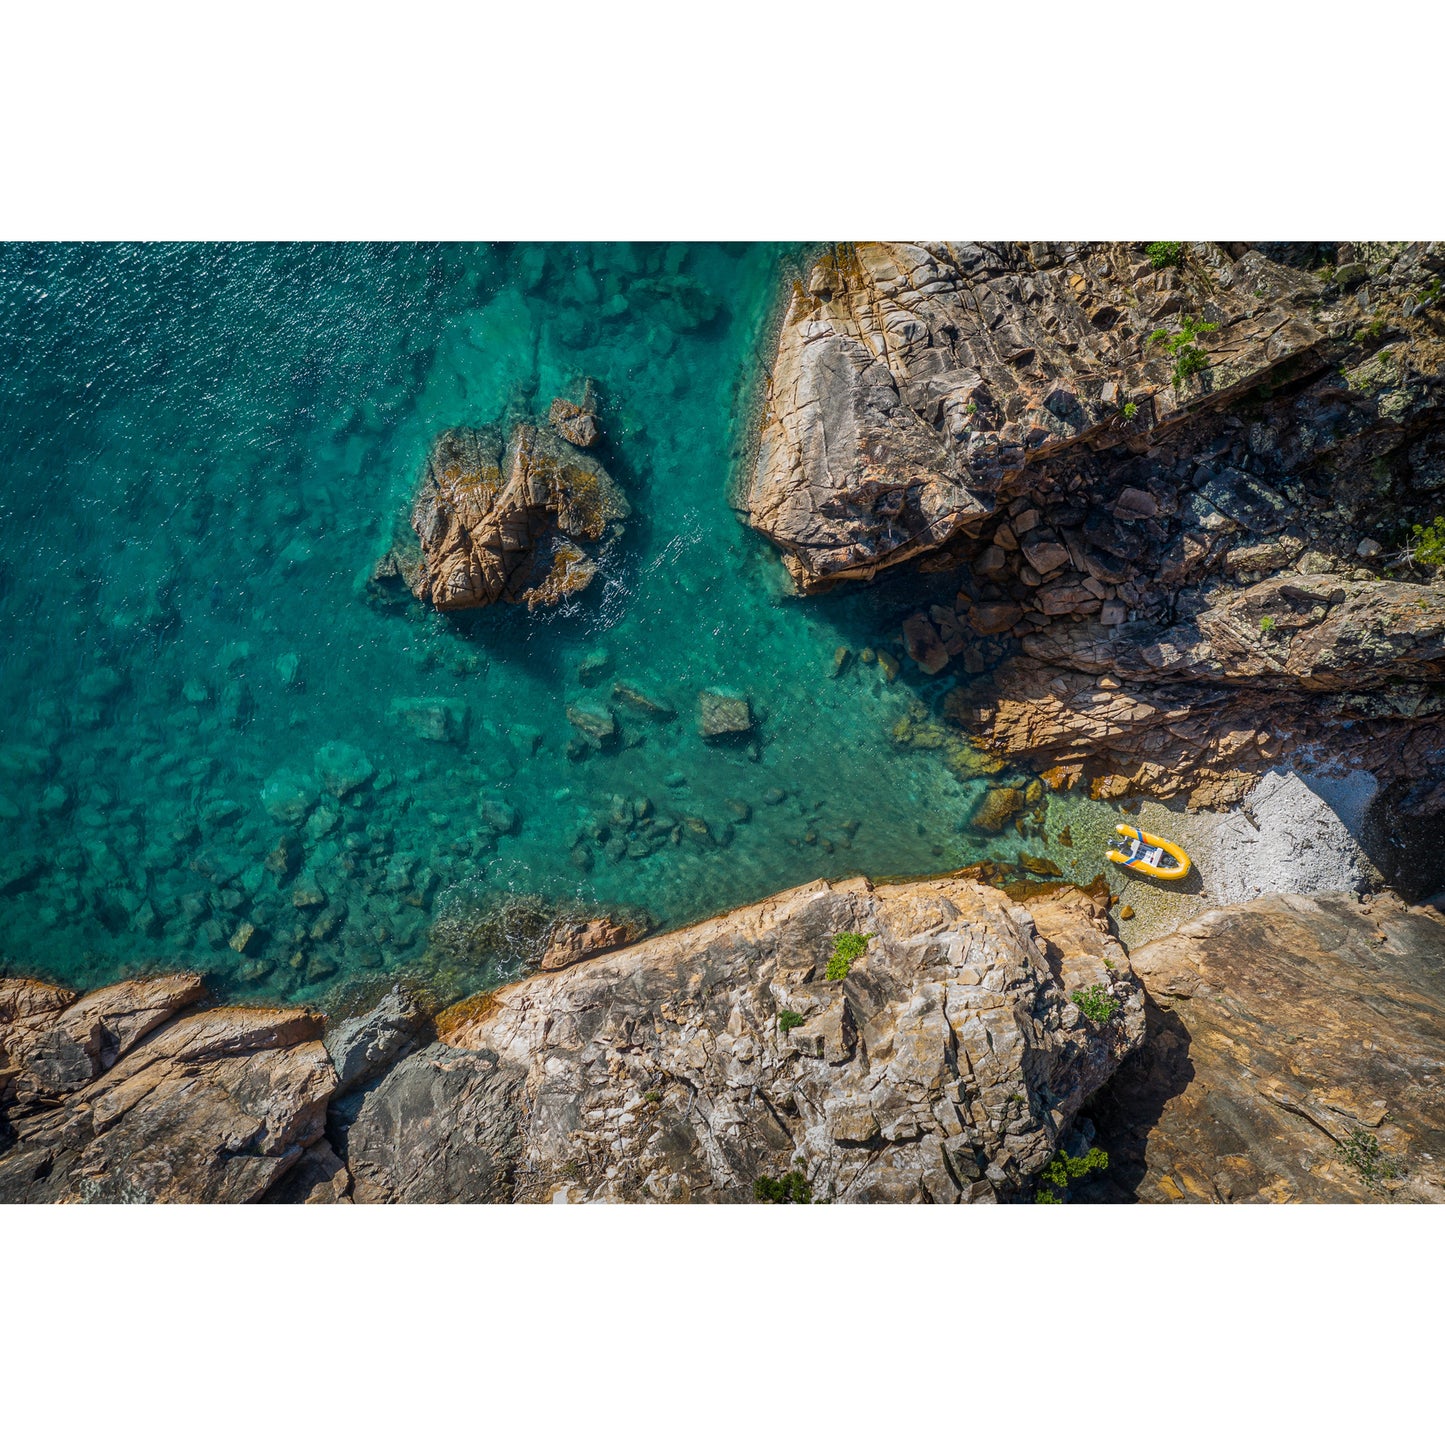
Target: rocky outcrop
[(1243, 679), (518, 524), (214, 1106), (1294, 633), (56, 1052), (1283, 1048), (363, 1047), (1295, 1052), (946, 1065), (1166, 485), (913, 383), (576, 421)]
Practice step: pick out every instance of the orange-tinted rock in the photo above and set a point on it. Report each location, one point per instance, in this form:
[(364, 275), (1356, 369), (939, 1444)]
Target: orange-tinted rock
[(509, 527)]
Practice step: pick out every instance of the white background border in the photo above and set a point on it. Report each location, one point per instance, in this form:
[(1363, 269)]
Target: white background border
[(777, 120)]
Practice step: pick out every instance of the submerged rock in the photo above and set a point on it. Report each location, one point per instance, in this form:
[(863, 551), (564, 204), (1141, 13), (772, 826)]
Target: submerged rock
[(719, 714), (635, 700), (996, 809), (434, 719), (923, 644), (497, 526), (596, 723), (342, 768), (288, 795)]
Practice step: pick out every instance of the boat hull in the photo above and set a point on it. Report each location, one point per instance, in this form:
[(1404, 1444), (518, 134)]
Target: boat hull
[(1178, 869)]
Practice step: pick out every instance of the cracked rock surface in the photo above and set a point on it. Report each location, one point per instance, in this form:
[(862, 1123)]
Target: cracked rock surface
[(213, 1106), (1295, 1052), (913, 383), (513, 523), (945, 1066)]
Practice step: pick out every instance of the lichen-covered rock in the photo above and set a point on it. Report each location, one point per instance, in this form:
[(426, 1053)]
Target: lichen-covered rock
[(913, 383), (945, 1066), (1295, 1052), (511, 526)]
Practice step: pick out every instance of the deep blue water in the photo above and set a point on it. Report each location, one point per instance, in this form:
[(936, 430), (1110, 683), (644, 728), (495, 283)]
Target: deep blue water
[(203, 449)]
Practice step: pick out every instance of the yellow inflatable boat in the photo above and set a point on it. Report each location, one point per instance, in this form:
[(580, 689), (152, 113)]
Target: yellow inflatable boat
[(1147, 854)]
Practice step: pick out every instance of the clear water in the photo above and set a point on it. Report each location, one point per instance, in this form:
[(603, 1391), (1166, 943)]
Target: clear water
[(202, 452)]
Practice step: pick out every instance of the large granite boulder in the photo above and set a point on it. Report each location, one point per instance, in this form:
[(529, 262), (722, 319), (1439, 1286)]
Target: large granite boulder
[(508, 524), (213, 1107), (946, 1065), (1295, 1052), (912, 383)]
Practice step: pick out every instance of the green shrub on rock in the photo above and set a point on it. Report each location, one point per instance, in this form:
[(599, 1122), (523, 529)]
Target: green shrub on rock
[(848, 948), (1096, 1003), (792, 1188), (1427, 543), (1189, 359), (788, 1019), (1361, 1151), (1164, 253), (1062, 1171)]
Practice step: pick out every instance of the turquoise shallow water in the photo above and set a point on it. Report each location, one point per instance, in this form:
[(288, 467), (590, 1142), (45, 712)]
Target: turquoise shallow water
[(202, 452)]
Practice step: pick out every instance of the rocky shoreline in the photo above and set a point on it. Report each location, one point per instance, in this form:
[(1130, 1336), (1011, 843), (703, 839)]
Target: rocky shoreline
[(1287, 1048), (1154, 491), (1152, 506)]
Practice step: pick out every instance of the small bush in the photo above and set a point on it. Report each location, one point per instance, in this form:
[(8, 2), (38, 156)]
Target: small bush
[(1189, 359), (1427, 543), (788, 1019), (1164, 253), (1361, 1151), (1063, 1171), (653, 1096), (848, 948), (1130, 410), (792, 1188), (1096, 1003), (1266, 624), (1372, 331)]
